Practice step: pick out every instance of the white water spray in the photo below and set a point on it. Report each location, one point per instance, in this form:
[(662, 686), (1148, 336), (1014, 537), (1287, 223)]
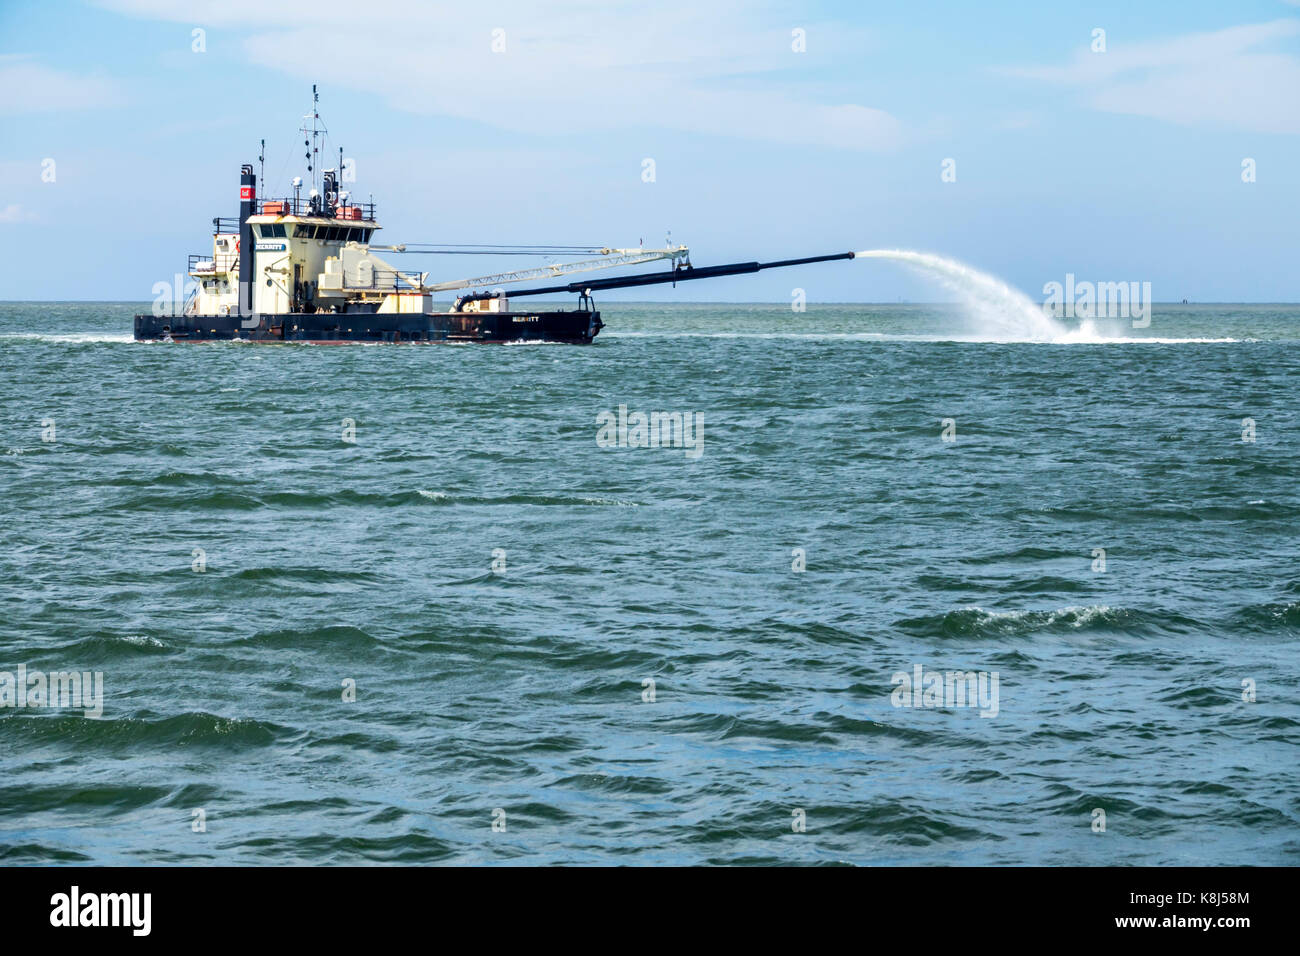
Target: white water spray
[(999, 312)]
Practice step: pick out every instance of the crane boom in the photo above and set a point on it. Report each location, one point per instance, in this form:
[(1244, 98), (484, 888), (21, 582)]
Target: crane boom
[(610, 258), (678, 273)]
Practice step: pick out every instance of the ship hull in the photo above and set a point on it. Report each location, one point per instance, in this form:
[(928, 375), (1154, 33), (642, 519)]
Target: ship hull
[(329, 328)]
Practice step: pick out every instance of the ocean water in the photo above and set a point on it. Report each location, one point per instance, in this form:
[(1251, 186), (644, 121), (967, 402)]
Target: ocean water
[(1163, 690)]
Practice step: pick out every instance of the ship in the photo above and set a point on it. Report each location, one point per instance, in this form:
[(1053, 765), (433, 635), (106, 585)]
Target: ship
[(308, 269)]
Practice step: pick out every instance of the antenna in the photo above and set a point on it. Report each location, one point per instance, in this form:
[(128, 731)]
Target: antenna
[(316, 129), (261, 158)]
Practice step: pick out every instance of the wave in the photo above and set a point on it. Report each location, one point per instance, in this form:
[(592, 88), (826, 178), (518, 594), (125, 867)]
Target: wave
[(101, 648), (334, 638), (1271, 617), (72, 338), (307, 575), (977, 622), (226, 500), (1075, 337), (442, 497), (191, 729)]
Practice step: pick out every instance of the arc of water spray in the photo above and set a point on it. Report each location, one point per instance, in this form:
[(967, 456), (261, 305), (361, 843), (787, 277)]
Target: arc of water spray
[(998, 310)]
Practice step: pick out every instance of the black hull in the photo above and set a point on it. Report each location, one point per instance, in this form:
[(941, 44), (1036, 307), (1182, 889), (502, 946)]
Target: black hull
[(330, 328)]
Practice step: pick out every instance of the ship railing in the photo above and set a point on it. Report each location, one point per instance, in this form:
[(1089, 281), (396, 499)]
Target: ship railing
[(303, 207), (208, 264), (229, 225), (382, 280)]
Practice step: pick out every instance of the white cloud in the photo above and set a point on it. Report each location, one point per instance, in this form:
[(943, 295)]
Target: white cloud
[(724, 67), (1221, 78), (14, 213), (32, 88)]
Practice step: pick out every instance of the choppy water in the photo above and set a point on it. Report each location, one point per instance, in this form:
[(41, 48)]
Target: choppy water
[(330, 561)]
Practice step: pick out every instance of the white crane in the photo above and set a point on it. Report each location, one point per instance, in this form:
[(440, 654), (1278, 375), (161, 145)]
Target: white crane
[(609, 259)]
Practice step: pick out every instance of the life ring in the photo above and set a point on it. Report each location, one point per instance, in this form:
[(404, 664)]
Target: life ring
[(236, 245)]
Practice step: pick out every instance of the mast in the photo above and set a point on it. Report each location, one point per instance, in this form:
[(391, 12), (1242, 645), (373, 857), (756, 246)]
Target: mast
[(313, 152)]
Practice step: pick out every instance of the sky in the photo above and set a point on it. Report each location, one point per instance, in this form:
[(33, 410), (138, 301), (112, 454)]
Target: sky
[(1001, 135)]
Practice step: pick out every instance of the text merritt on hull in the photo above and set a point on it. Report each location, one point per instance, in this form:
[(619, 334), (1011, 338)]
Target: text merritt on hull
[(305, 270)]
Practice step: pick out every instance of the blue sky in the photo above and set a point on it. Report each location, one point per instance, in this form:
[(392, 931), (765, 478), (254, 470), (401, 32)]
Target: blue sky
[(1116, 165)]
